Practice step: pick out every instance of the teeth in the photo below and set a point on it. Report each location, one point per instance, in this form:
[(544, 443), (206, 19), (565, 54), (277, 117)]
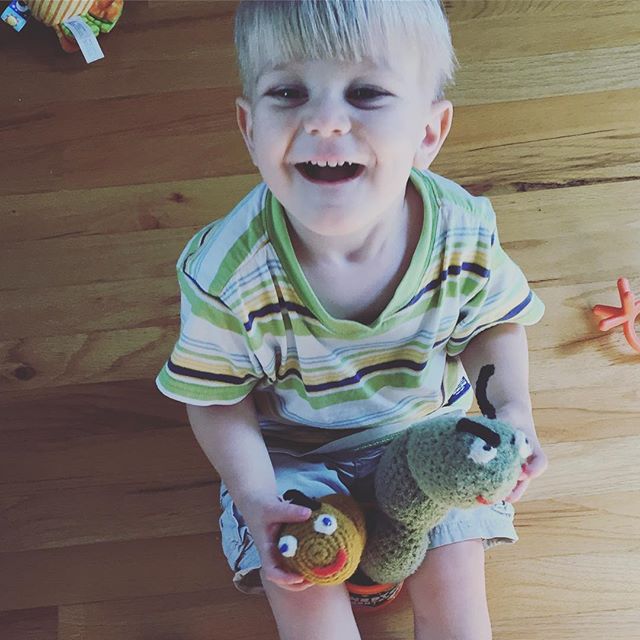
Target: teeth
[(330, 164)]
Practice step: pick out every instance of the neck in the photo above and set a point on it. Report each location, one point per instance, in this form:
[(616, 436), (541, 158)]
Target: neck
[(363, 245)]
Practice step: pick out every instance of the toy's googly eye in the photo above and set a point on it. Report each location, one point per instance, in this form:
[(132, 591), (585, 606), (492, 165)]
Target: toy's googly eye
[(287, 546), (481, 452), (524, 446), (325, 523)]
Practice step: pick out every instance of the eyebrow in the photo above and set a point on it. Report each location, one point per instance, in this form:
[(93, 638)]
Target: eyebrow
[(479, 430)]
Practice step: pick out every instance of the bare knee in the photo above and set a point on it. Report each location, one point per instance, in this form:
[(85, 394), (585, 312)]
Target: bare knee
[(317, 613), (448, 594)]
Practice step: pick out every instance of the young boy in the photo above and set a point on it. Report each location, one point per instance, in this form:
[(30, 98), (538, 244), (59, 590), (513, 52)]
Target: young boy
[(349, 296)]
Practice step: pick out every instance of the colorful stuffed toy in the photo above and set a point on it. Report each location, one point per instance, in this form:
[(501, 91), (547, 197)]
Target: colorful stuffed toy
[(99, 15), (326, 548), (426, 471), (447, 462)]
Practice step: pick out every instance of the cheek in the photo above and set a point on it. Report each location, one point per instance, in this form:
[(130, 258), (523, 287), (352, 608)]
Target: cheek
[(271, 135), (395, 137)]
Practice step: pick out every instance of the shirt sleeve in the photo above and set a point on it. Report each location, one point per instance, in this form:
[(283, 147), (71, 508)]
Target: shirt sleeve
[(211, 362), (502, 293)]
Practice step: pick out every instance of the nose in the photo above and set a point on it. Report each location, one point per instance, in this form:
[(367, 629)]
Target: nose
[(326, 116)]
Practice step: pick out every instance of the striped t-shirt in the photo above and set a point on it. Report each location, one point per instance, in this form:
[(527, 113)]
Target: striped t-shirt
[(250, 323)]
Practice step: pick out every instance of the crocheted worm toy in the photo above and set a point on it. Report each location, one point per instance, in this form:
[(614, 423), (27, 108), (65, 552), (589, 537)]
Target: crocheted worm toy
[(326, 548), (429, 469)]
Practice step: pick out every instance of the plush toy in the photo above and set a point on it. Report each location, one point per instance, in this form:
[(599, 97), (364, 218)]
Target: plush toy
[(326, 548), (99, 15), (447, 462), (427, 470)]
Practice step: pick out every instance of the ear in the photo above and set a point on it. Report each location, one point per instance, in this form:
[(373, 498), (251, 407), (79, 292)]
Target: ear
[(440, 116), (297, 497), (245, 124)]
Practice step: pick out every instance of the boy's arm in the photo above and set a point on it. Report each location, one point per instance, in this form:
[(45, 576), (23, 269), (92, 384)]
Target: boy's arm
[(505, 347), (231, 439)]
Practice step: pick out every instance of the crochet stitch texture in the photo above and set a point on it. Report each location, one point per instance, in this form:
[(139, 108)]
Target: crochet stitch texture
[(326, 548), (431, 468)]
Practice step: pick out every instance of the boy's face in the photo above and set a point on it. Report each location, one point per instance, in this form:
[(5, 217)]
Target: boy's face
[(378, 114)]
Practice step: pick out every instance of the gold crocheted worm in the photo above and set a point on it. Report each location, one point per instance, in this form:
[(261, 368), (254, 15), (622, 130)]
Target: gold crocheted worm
[(326, 548)]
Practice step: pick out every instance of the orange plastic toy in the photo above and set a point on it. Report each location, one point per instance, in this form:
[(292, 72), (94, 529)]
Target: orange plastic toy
[(625, 315)]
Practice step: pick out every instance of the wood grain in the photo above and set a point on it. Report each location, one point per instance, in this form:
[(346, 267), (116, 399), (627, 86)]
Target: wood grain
[(108, 507)]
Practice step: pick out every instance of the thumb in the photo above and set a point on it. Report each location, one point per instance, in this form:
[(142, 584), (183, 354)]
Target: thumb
[(288, 512)]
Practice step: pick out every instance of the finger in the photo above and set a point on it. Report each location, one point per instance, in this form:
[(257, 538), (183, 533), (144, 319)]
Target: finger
[(519, 489), (303, 586), (287, 512), (281, 577), (537, 466)]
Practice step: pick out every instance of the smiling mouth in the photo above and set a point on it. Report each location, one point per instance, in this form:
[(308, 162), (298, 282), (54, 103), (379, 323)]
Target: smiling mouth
[(330, 175), (337, 565)]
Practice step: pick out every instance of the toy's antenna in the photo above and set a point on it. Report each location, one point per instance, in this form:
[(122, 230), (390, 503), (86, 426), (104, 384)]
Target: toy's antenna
[(488, 410), (299, 498)]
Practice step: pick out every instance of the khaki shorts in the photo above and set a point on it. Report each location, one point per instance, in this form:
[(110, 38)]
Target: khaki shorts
[(348, 472)]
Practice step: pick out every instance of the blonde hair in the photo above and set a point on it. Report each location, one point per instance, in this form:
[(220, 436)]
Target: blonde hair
[(269, 32)]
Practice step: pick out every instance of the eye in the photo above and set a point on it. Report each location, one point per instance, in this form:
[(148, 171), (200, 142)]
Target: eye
[(325, 524), (367, 93), (286, 93), (524, 446), (481, 452), (287, 546)]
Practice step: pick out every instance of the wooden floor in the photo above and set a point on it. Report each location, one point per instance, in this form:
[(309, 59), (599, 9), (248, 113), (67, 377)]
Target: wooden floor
[(108, 514)]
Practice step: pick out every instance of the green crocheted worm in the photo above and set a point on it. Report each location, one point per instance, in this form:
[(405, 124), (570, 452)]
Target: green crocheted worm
[(426, 471)]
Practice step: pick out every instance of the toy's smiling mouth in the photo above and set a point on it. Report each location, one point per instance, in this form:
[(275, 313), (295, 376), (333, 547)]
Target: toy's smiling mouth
[(337, 565)]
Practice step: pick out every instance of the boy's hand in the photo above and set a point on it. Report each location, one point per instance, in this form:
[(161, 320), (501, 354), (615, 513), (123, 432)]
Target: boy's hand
[(536, 465), (267, 515)]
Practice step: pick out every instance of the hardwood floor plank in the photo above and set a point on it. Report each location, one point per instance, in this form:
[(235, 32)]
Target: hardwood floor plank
[(54, 519), (579, 584), (116, 407), (100, 357), (577, 524), (582, 72), (460, 11), (478, 28), (30, 624), (616, 623), (68, 261), (110, 571), (104, 211), (579, 468), (220, 614), (91, 307), (61, 154), (75, 458), (561, 144)]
